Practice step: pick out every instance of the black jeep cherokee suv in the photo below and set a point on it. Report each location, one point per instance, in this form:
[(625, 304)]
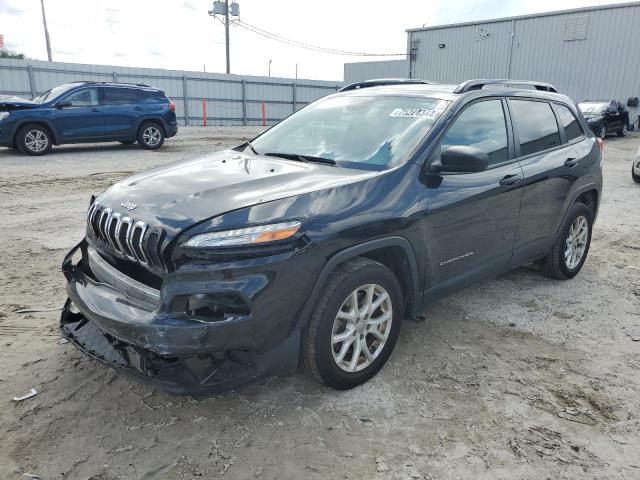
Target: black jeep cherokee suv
[(310, 244)]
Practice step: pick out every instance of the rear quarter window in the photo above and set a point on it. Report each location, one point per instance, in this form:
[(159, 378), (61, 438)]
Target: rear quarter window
[(572, 128), (536, 125)]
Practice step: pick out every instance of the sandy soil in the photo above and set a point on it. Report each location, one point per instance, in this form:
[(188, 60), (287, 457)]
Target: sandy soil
[(519, 377)]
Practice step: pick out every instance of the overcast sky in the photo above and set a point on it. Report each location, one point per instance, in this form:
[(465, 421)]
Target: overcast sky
[(178, 34)]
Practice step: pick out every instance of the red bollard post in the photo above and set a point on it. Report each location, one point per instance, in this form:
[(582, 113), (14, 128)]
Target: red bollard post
[(264, 115), (204, 112)]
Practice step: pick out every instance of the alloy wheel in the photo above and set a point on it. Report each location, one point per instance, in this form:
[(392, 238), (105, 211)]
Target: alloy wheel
[(36, 141), (576, 242), (361, 327), (151, 136)]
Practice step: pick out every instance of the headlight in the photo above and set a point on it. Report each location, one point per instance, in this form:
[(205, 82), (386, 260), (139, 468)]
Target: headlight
[(4, 115), (245, 236)]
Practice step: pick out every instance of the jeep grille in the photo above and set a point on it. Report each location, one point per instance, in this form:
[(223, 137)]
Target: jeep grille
[(125, 235)]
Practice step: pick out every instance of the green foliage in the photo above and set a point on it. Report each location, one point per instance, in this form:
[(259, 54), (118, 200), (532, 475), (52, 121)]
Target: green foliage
[(4, 53)]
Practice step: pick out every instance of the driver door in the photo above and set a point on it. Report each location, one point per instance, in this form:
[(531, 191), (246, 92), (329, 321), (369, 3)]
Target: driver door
[(81, 118), (472, 217)]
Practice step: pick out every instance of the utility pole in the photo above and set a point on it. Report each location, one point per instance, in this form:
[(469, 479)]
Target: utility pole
[(226, 10), (46, 31), (226, 32)]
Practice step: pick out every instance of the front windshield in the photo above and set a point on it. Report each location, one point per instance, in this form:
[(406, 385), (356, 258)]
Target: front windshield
[(53, 93), (593, 107), (370, 132)]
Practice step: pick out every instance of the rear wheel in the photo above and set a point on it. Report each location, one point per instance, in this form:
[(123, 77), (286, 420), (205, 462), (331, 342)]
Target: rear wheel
[(623, 131), (636, 178), (34, 140), (572, 246), (355, 324), (150, 136)]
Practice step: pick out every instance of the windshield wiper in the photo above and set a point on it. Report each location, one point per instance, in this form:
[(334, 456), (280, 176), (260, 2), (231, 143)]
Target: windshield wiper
[(302, 158)]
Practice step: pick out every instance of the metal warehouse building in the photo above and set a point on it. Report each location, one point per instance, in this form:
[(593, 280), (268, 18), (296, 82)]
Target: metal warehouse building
[(587, 53)]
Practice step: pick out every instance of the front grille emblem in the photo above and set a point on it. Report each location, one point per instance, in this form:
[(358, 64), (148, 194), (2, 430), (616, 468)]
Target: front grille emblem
[(129, 205)]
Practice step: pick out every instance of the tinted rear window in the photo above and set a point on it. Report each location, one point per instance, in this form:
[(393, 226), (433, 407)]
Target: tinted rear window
[(120, 96), (536, 125), (151, 95), (570, 123)]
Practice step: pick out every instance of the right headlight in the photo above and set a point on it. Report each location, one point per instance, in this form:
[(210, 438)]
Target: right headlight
[(245, 236), (4, 115)]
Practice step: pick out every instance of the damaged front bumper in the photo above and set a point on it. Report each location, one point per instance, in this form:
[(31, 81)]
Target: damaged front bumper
[(129, 326)]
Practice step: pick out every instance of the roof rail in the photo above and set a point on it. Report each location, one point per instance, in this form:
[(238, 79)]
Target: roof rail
[(378, 82), (111, 83), (478, 84)]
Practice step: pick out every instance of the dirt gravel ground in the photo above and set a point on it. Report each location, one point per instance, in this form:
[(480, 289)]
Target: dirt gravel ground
[(519, 377)]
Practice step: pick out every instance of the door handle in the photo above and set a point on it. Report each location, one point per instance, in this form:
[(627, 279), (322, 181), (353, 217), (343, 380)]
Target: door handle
[(571, 162), (95, 109), (511, 180), (138, 108)]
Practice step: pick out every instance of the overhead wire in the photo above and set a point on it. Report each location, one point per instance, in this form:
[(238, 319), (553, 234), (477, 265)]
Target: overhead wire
[(307, 46)]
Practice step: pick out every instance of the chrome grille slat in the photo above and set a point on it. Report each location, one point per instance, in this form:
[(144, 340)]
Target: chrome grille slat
[(123, 234)]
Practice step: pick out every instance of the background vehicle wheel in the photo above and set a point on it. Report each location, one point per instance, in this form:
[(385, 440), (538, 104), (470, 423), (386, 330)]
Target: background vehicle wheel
[(570, 250), (602, 131), (150, 136), (355, 324), (623, 131), (127, 142), (636, 178), (34, 140)]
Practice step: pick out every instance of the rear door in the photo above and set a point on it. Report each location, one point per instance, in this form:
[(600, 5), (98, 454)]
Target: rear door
[(547, 137), (122, 109), (472, 217), (82, 119)]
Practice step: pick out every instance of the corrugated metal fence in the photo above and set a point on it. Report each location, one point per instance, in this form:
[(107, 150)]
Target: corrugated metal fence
[(226, 99)]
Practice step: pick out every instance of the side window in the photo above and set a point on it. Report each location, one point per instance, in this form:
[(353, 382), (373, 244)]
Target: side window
[(536, 125), (149, 96), (572, 128), (120, 96), (87, 97), (481, 125)]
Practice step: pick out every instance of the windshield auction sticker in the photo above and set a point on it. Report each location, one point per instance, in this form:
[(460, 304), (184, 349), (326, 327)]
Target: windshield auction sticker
[(428, 113)]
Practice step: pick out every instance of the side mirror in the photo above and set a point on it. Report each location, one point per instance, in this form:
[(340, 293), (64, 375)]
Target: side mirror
[(464, 159), (612, 110), (64, 104)]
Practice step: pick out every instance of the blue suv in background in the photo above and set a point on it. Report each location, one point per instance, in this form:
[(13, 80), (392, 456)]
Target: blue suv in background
[(83, 112)]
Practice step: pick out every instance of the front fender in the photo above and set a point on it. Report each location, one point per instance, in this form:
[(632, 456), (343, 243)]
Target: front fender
[(358, 250)]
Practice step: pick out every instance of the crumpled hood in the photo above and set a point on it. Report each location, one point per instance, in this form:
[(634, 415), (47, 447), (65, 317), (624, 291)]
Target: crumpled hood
[(181, 194), (8, 102)]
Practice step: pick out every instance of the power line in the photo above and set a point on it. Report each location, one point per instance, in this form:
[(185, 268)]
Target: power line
[(308, 46)]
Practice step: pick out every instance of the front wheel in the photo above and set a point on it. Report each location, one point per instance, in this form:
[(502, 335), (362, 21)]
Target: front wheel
[(34, 140), (623, 131), (150, 136), (602, 131), (636, 178), (572, 246), (355, 324)]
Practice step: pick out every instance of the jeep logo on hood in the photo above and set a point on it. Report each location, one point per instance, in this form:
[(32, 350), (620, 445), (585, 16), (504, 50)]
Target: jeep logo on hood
[(128, 205)]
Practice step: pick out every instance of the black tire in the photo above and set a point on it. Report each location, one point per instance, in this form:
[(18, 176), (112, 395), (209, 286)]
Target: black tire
[(127, 142), (602, 131), (623, 131), (636, 178), (317, 349), (555, 265), (150, 136), (34, 139)]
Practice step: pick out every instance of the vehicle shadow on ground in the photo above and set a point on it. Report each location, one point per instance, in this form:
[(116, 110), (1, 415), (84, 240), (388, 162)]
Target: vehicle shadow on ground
[(454, 382)]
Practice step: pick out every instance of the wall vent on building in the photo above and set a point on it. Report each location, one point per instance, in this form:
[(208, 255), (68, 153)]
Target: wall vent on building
[(576, 28)]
